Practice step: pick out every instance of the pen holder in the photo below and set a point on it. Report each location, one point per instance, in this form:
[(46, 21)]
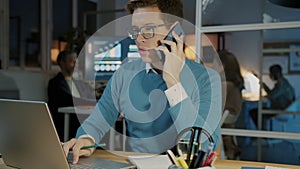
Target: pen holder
[(176, 167)]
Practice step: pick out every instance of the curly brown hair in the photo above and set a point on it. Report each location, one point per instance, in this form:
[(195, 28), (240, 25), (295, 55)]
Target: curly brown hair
[(172, 7)]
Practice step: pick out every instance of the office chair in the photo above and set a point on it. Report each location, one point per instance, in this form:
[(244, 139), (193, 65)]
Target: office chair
[(282, 119), (220, 149), (226, 118)]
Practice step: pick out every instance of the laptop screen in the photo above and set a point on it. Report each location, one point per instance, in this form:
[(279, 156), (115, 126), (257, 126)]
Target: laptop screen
[(28, 139)]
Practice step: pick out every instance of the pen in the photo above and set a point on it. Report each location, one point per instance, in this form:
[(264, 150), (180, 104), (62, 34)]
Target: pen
[(210, 149), (209, 159), (172, 158), (94, 146), (193, 161), (200, 160), (213, 160)]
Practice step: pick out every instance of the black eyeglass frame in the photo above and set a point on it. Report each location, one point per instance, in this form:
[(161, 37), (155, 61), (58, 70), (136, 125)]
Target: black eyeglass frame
[(135, 31)]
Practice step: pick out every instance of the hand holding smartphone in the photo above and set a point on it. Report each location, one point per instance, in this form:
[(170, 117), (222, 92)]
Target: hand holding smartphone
[(179, 31)]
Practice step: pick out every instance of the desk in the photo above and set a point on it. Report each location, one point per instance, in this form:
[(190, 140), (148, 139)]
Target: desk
[(248, 122), (247, 106), (220, 164), (293, 109), (121, 156)]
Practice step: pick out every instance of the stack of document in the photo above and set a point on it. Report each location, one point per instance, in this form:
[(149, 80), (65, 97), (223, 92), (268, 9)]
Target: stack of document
[(151, 162), (267, 167), (270, 167)]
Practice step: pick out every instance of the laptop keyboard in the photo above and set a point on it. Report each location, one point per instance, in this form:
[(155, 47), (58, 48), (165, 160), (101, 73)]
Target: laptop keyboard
[(84, 166), (97, 163)]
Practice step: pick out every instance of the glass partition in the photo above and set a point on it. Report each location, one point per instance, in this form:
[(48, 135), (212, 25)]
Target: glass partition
[(248, 12), (260, 34)]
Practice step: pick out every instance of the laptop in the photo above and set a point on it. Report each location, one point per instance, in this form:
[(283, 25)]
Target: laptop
[(28, 139)]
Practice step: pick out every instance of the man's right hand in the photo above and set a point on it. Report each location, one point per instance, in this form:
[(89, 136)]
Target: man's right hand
[(266, 88), (75, 145)]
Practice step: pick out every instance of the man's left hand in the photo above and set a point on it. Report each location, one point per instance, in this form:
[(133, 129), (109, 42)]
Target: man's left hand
[(174, 60)]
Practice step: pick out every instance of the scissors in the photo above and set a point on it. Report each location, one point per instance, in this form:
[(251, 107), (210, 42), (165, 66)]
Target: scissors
[(189, 141)]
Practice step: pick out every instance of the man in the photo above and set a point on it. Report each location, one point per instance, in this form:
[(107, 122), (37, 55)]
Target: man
[(283, 93), (157, 100), (281, 96), (61, 95)]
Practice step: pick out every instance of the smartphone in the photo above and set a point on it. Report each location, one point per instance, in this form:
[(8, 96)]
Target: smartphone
[(179, 31)]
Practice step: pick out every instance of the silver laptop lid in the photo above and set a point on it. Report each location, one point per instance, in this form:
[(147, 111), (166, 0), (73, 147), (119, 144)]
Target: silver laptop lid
[(28, 138)]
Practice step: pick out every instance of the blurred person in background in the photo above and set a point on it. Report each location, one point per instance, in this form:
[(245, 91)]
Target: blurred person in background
[(234, 86), (64, 91), (277, 98)]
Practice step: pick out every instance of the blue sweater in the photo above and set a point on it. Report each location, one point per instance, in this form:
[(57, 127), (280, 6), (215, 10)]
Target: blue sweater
[(152, 125)]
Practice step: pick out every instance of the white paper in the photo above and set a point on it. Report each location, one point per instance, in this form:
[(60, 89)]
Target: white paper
[(151, 162), (270, 167)]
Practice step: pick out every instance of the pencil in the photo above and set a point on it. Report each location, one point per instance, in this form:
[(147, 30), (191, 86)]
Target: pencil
[(173, 158), (94, 146)]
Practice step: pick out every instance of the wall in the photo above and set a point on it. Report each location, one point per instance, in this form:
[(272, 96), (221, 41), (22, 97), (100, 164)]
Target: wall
[(31, 85)]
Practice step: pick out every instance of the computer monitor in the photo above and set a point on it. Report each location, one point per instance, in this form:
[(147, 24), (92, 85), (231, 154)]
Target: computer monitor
[(251, 91), (104, 55)]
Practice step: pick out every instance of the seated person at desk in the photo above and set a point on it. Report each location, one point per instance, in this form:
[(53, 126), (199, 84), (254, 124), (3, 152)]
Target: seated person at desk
[(280, 97), (234, 86), (158, 100), (61, 95)]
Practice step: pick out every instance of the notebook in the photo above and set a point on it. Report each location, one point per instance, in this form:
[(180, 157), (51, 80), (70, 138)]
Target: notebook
[(271, 167), (267, 167), (28, 139), (151, 162)]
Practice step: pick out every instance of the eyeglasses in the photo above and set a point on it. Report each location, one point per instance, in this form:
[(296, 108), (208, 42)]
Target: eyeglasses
[(147, 31)]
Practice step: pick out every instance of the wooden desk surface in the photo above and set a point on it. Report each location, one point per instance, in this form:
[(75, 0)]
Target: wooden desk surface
[(219, 164)]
